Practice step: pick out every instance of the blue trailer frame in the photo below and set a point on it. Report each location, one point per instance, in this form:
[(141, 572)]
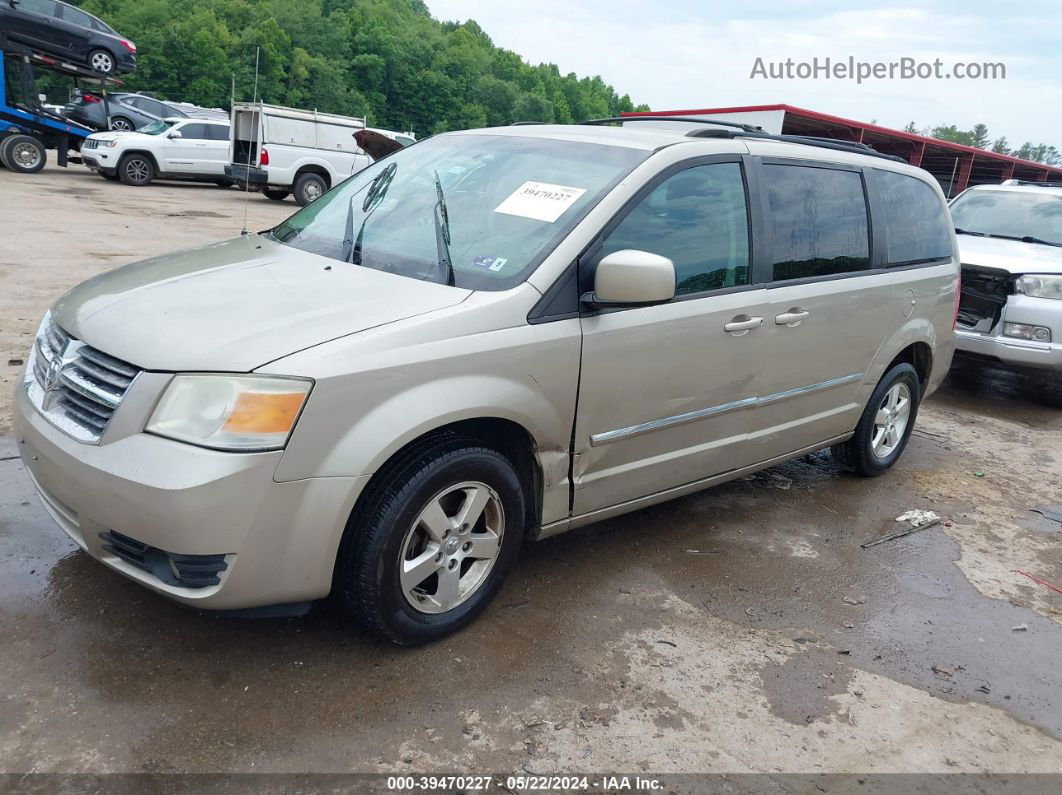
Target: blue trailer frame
[(17, 62)]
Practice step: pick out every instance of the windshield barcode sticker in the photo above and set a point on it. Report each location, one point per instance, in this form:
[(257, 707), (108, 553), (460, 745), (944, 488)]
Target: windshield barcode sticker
[(540, 200)]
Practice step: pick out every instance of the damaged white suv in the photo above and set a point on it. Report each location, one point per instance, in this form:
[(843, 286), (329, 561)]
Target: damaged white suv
[(1010, 245)]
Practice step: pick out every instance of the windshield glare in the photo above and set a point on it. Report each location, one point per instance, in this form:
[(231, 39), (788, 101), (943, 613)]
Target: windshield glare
[(509, 200), (1008, 213), (156, 127)]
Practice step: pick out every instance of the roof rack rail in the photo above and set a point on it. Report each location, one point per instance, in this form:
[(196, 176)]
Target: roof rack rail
[(685, 119), (526, 123), (856, 147), (1034, 183)]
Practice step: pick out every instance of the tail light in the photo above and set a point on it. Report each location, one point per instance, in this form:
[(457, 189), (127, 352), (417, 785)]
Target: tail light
[(263, 159), (128, 45), (91, 99)]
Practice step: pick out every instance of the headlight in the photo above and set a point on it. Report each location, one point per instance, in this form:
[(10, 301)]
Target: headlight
[(1041, 286), (230, 412)]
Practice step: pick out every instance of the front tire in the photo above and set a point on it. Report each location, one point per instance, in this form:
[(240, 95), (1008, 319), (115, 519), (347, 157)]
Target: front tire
[(309, 187), (136, 170), (431, 543), (101, 61), (885, 426)]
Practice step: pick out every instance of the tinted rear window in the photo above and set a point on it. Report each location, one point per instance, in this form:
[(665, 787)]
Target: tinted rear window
[(919, 229), (819, 220)]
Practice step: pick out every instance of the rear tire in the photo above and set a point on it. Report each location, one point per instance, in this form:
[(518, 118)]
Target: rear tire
[(122, 124), (885, 426), (413, 566), (136, 170), (224, 183), (308, 187), (101, 61), (23, 154), (276, 194)]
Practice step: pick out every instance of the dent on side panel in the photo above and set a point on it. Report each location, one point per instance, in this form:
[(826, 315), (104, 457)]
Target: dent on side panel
[(375, 393)]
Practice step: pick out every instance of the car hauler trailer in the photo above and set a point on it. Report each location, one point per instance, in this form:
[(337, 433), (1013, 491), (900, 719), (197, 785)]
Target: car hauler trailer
[(27, 129), (286, 151)]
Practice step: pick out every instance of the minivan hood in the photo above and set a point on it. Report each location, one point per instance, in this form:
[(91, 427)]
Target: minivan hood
[(1012, 256), (236, 305)]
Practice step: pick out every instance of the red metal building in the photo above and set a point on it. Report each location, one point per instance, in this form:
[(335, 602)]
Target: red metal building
[(955, 166)]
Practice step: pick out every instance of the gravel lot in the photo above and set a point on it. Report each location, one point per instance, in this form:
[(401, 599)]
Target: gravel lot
[(741, 629)]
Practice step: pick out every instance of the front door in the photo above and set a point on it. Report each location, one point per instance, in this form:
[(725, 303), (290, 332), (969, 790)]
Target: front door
[(664, 389), (830, 311), (33, 21)]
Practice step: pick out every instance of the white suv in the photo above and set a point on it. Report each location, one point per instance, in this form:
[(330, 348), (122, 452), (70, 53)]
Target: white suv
[(194, 149)]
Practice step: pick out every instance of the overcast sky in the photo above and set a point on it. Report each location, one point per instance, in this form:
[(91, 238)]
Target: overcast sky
[(676, 54)]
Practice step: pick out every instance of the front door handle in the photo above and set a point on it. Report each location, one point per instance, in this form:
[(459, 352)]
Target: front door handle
[(738, 326), (792, 317)]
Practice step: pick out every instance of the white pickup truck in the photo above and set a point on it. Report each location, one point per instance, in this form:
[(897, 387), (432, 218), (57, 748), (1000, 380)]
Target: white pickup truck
[(288, 151)]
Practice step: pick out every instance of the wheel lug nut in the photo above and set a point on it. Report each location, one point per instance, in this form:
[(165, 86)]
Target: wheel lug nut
[(466, 546), (452, 564), (438, 556)]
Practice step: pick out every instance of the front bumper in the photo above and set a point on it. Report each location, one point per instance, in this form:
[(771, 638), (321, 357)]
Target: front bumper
[(1017, 352), (99, 162), (279, 540), (252, 175)]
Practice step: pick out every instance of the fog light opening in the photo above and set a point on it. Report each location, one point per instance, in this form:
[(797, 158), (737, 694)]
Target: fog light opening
[(1024, 331)]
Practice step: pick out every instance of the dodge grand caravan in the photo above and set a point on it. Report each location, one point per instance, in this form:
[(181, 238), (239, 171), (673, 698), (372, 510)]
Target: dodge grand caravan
[(488, 336)]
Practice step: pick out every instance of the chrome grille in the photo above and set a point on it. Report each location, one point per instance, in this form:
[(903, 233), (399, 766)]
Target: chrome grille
[(90, 143), (76, 386)]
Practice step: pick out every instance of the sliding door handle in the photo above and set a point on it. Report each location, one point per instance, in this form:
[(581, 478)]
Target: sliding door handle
[(742, 324), (792, 317)]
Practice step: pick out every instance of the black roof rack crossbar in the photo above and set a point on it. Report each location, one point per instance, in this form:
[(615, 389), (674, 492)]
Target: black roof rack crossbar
[(686, 119), (526, 123), (856, 147)]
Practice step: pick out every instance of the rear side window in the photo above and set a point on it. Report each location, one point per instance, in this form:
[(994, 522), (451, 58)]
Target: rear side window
[(217, 132), (919, 229), (199, 132), (697, 218), (819, 220), (76, 17)]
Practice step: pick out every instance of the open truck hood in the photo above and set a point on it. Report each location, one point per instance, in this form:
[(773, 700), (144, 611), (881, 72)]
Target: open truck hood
[(236, 305), (1011, 256)]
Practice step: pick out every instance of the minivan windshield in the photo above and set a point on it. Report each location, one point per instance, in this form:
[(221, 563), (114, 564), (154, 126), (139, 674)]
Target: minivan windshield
[(1011, 214), (473, 210)]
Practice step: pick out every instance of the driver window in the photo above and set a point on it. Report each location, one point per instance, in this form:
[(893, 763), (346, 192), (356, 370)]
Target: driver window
[(698, 219)]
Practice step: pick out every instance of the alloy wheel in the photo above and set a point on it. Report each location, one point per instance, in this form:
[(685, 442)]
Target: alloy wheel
[(121, 125), (890, 423), (102, 62), (137, 170), (448, 553)]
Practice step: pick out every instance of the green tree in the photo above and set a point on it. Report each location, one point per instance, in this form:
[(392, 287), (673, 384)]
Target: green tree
[(979, 136)]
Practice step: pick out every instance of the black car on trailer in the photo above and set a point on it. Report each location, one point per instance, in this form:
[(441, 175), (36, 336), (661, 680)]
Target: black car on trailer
[(64, 31)]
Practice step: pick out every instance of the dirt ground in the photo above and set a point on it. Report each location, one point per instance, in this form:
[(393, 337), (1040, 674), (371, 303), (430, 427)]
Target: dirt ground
[(740, 629)]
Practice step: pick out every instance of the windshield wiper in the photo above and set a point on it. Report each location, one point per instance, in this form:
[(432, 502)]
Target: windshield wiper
[(1031, 239), (968, 232), (442, 234), (373, 196)]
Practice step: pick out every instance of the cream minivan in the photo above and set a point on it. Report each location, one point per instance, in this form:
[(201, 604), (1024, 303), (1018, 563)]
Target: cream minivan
[(487, 337)]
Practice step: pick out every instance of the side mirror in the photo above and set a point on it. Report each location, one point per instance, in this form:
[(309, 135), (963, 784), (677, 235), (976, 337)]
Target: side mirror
[(632, 277), (173, 136)]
